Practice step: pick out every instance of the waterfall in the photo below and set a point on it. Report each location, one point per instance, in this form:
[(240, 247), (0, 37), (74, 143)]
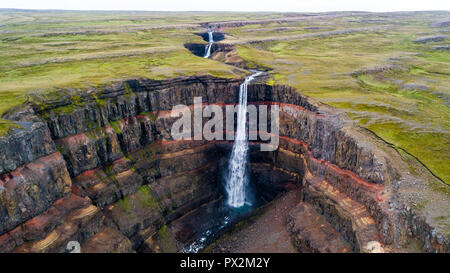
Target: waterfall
[(237, 168), (208, 46)]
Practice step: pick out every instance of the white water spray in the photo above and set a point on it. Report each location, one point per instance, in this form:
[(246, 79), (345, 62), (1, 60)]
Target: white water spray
[(208, 46), (237, 168)]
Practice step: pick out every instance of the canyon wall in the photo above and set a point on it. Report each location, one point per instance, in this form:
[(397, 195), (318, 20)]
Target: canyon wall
[(101, 168)]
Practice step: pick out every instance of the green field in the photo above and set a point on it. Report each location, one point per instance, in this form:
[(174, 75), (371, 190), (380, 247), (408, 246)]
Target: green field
[(365, 63)]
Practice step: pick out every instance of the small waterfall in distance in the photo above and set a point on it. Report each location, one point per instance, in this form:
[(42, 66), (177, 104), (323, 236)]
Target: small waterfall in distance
[(208, 46), (237, 169)]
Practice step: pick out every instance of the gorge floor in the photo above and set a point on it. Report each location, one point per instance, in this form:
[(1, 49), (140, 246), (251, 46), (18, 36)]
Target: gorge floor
[(264, 233)]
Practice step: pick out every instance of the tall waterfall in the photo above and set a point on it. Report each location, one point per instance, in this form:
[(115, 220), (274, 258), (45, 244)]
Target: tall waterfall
[(208, 46), (237, 178)]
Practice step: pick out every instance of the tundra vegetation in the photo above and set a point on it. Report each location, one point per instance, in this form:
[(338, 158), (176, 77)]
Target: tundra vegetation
[(388, 71)]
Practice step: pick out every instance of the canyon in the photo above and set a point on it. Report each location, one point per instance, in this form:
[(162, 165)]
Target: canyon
[(105, 171)]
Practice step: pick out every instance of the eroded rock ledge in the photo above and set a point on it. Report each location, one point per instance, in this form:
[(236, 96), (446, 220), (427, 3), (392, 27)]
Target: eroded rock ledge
[(103, 167)]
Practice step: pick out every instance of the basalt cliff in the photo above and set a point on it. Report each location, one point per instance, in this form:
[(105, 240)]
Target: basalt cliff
[(102, 169)]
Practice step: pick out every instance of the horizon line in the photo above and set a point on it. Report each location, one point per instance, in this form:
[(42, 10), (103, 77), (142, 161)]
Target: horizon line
[(257, 11)]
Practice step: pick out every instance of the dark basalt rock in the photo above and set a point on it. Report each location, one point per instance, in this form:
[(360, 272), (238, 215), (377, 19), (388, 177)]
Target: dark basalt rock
[(31, 189), (217, 36), (441, 23), (428, 39), (24, 144), (196, 49)]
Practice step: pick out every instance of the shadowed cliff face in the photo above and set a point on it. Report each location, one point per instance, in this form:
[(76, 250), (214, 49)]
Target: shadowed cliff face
[(196, 49), (217, 36), (105, 167)]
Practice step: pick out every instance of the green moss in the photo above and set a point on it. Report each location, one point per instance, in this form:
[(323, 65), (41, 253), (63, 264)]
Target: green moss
[(129, 157), (270, 82), (150, 115), (146, 198), (67, 109), (124, 204), (76, 99), (128, 91), (109, 170), (6, 126), (166, 240), (115, 125), (96, 133), (101, 102)]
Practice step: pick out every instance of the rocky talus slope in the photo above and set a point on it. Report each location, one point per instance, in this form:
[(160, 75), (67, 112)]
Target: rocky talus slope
[(102, 169)]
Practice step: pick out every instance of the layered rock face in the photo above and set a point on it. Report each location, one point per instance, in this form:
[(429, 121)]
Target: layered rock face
[(105, 171)]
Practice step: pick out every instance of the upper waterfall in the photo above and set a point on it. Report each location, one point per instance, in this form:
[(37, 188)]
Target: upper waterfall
[(208, 46)]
